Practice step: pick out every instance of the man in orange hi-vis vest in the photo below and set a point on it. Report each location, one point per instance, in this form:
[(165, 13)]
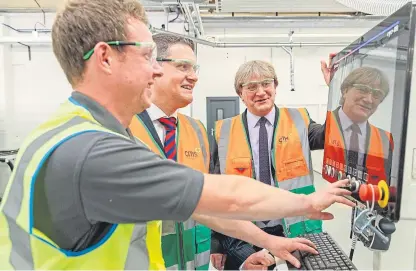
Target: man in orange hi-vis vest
[(353, 146), (270, 144), (175, 136)]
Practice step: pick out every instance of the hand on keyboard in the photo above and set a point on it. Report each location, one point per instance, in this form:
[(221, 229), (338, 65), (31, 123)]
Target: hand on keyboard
[(330, 256), (323, 198), (283, 247)]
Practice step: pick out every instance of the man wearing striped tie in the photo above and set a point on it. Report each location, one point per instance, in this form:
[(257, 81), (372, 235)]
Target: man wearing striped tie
[(186, 245)]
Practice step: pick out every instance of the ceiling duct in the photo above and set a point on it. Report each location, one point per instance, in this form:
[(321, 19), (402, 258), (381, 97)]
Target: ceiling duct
[(167, 2), (374, 7), (250, 44), (283, 6)]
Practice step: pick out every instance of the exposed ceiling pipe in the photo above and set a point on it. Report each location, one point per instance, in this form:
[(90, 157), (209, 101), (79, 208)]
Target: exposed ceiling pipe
[(199, 19), (292, 62), (26, 39), (19, 30), (290, 21), (191, 19), (257, 19), (242, 45), (153, 7)]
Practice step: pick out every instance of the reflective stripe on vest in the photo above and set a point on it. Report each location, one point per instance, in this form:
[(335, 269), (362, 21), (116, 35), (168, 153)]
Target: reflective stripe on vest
[(377, 164), (293, 167), (24, 247), (194, 238)]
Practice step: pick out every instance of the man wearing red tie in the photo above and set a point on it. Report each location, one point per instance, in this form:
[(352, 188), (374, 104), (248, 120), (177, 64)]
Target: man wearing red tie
[(186, 245)]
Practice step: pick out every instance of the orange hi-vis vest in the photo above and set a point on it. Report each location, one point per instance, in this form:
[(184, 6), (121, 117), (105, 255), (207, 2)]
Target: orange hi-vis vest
[(291, 159), (185, 245), (377, 165)]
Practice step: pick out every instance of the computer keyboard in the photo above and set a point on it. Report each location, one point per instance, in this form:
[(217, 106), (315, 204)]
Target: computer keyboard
[(330, 256)]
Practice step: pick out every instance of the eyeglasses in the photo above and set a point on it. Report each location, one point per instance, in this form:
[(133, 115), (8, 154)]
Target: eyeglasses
[(146, 44), (377, 94), (183, 65), (253, 86)]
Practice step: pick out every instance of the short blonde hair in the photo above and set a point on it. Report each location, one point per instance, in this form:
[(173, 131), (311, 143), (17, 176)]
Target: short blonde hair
[(251, 68), (81, 24)]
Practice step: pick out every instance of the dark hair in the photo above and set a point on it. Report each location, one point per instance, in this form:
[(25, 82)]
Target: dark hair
[(165, 41)]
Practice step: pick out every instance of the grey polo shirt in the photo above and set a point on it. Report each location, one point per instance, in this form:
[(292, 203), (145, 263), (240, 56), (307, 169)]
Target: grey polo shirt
[(97, 179)]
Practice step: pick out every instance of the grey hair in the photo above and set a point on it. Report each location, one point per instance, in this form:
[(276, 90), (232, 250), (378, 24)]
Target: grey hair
[(165, 41), (254, 67), (81, 24), (370, 76)]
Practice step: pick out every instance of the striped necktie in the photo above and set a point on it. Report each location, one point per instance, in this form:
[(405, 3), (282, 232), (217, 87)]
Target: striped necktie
[(170, 138)]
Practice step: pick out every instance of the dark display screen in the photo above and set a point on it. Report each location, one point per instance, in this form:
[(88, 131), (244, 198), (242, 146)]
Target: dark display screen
[(367, 110)]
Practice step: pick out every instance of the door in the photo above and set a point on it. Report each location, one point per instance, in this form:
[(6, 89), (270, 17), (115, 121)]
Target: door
[(220, 108)]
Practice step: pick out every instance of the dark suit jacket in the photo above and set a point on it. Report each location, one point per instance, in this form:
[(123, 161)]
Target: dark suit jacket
[(237, 250), (144, 116)]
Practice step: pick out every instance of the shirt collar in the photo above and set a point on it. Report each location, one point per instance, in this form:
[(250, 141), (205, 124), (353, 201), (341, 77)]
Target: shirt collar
[(99, 112), (346, 122), (252, 119), (156, 113)]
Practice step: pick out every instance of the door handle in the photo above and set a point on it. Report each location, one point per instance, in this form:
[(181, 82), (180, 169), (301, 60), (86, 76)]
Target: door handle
[(212, 131)]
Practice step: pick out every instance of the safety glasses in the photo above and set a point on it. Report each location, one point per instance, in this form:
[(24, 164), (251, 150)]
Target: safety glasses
[(377, 94), (148, 44), (183, 65), (253, 86)]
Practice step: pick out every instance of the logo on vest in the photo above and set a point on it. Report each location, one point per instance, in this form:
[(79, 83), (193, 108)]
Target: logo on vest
[(283, 139), (335, 142), (240, 169), (193, 154)]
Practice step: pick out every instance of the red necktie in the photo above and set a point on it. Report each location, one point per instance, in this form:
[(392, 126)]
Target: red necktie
[(170, 138)]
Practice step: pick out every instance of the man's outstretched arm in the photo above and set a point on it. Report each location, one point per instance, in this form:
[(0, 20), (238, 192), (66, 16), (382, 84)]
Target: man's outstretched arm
[(232, 197)]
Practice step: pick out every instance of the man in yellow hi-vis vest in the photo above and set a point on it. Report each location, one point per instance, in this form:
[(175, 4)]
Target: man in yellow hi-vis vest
[(84, 193), (181, 138), (271, 145)]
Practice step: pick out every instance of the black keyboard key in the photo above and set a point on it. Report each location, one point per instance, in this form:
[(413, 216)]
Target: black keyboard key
[(331, 265), (308, 266)]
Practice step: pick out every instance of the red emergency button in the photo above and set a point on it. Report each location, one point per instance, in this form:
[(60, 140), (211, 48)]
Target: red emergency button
[(367, 190)]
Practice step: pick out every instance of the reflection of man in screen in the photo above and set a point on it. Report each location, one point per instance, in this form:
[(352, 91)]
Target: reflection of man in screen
[(353, 146)]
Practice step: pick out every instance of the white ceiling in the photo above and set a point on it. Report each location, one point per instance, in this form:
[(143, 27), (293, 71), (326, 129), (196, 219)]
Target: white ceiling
[(47, 4), (283, 6), (227, 5)]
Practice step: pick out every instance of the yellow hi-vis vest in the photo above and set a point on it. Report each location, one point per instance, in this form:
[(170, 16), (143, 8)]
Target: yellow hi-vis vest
[(185, 245), (291, 159), (24, 247)]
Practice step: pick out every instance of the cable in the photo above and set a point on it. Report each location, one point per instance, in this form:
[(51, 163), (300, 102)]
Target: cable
[(8, 162), (373, 196), (354, 236), (177, 15)]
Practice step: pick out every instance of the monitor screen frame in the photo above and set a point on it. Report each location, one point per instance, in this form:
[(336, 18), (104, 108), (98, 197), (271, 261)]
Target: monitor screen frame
[(403, 19)]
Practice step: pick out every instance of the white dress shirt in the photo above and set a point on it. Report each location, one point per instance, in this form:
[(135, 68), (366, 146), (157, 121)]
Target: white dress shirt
[(346, 123), (253, 130), (155, 113)]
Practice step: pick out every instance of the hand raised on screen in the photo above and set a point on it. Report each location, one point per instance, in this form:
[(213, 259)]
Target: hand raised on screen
[(326, 70)]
